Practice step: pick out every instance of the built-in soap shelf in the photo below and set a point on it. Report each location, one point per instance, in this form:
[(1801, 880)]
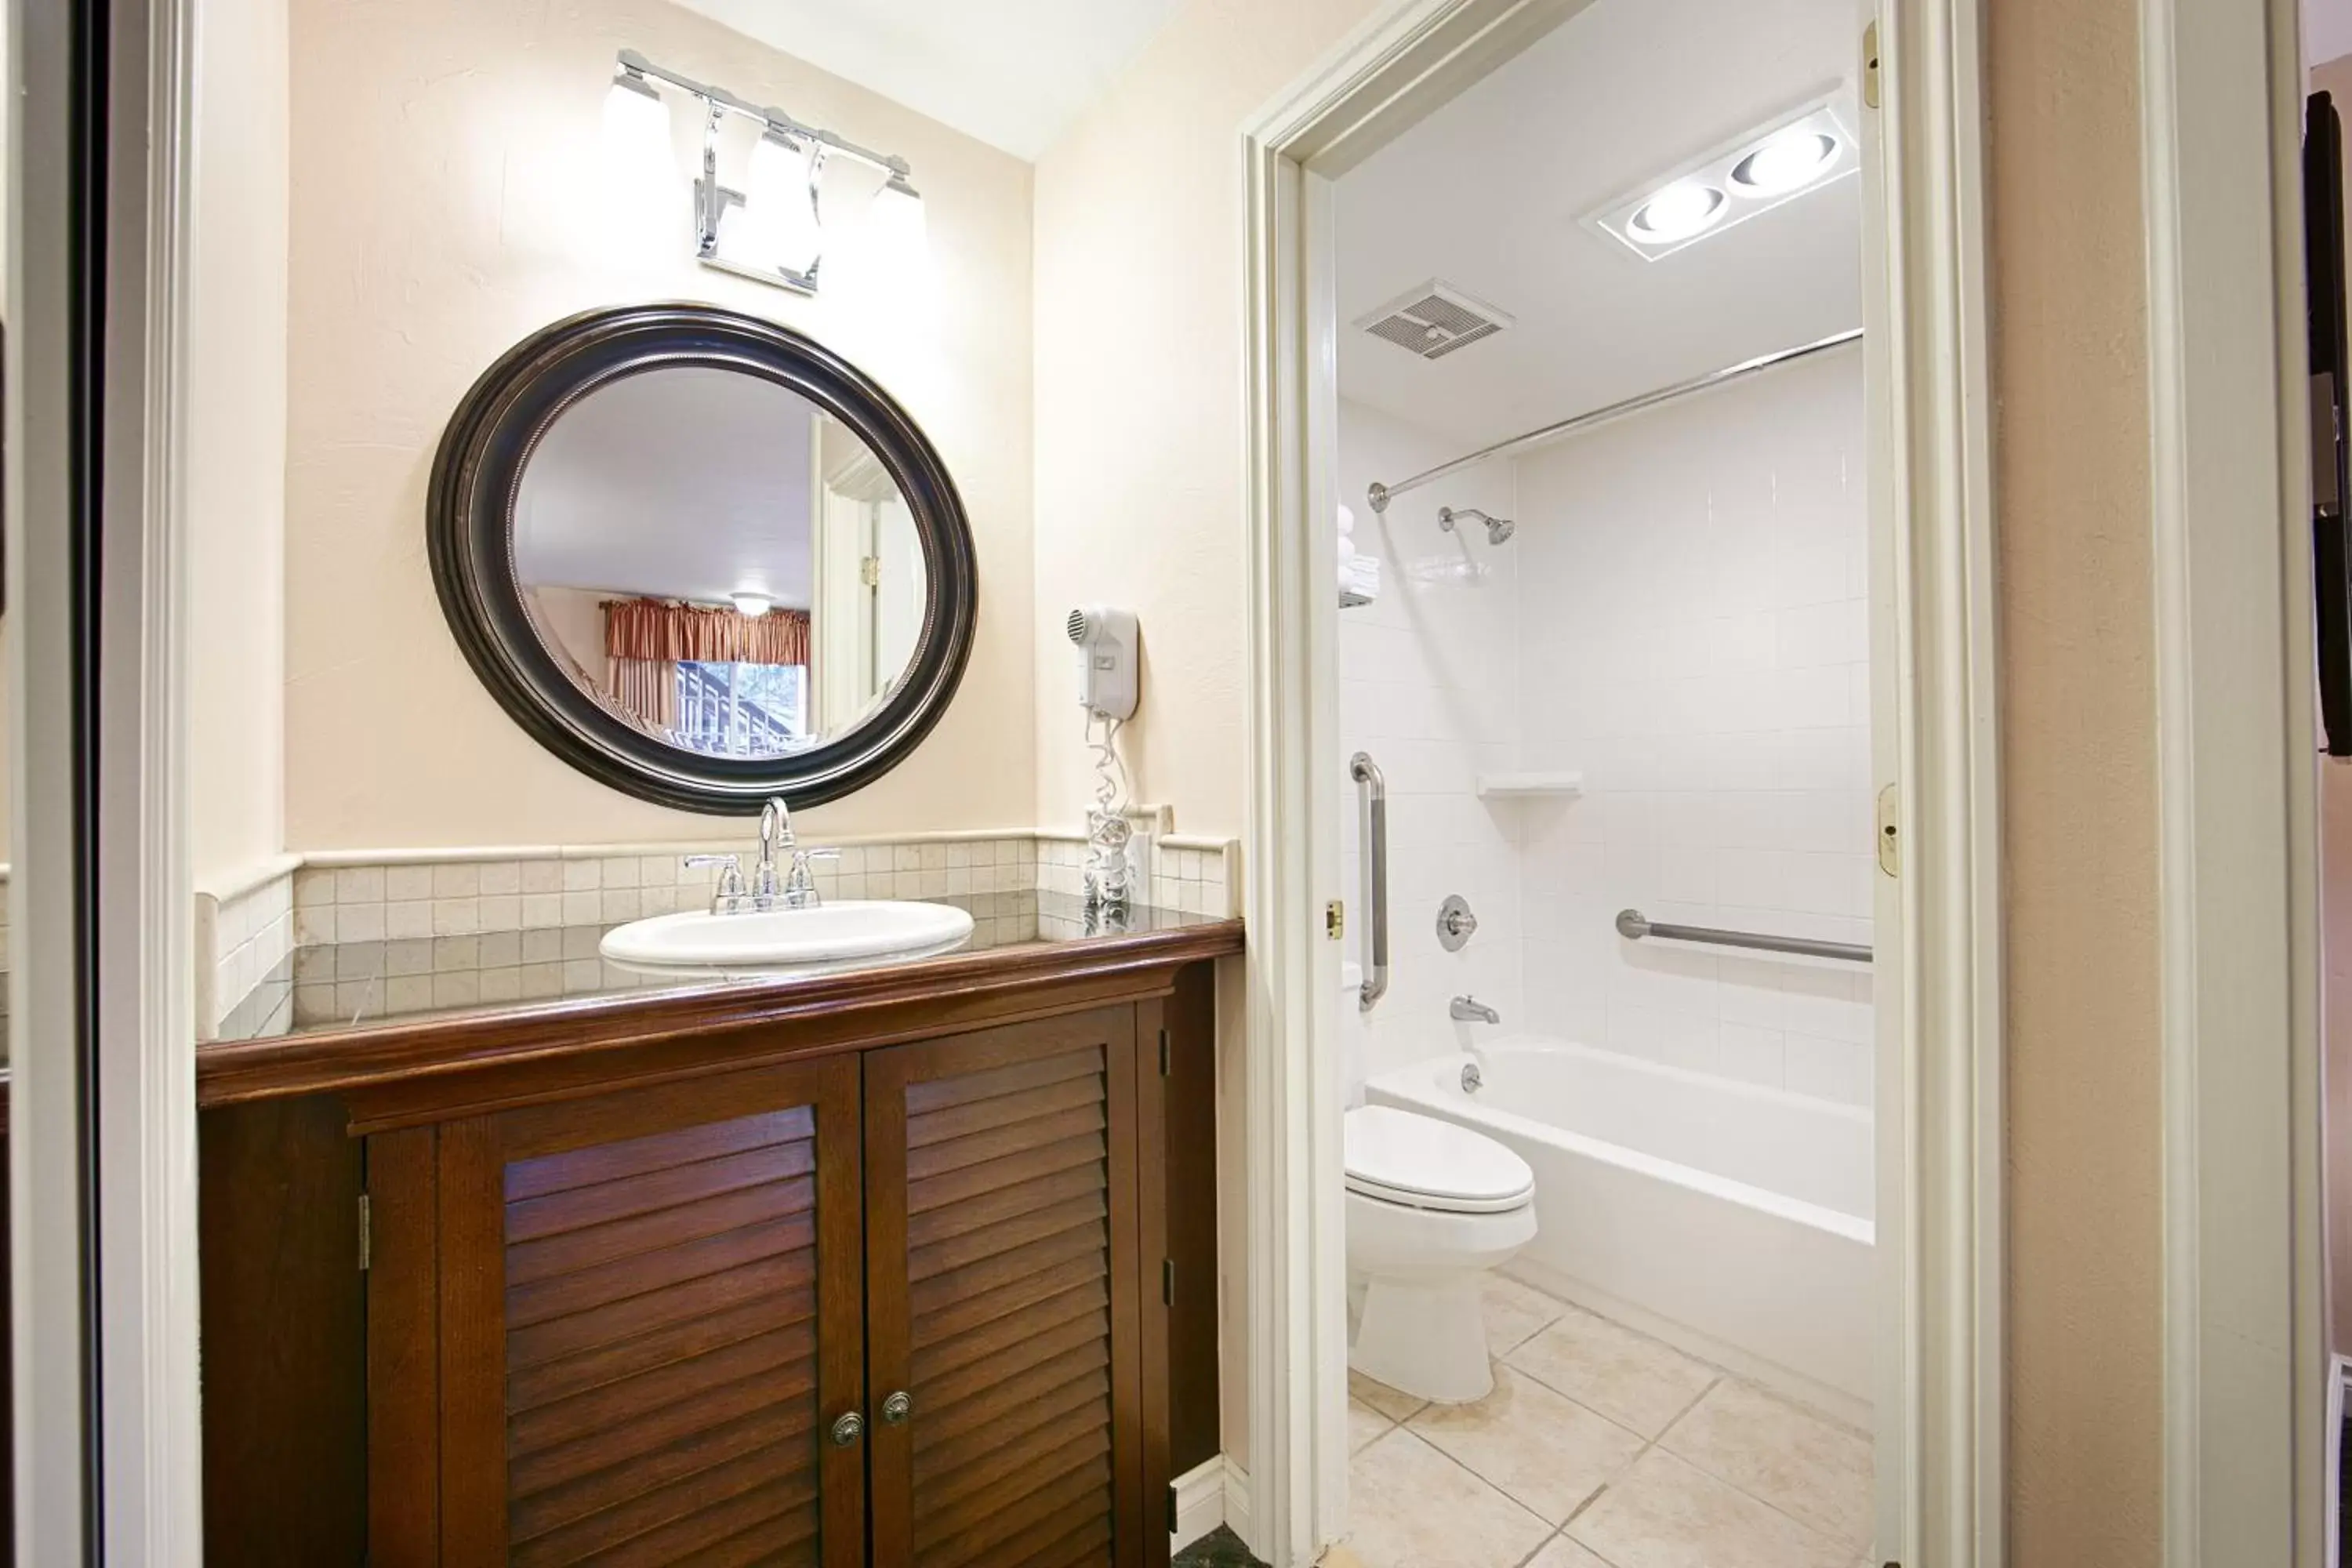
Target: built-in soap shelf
[(1530, 786)]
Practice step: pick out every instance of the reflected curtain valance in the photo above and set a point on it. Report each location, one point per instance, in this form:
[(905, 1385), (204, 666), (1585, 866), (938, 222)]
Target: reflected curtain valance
[(664, 631)]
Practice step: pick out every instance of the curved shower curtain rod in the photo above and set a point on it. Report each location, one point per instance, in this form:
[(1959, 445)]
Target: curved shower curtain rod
[(1379, 494)]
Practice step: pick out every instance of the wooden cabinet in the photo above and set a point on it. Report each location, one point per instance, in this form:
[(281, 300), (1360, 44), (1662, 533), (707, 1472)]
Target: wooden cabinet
[(890, 1306)]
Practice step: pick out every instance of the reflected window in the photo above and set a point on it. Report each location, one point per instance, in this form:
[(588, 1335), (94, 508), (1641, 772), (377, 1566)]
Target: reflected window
[(741, 709)]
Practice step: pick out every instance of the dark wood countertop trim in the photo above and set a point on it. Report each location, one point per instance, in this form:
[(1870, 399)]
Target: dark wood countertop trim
[(566, 1047)]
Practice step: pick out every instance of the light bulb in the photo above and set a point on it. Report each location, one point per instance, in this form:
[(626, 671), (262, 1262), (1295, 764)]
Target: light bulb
[(1678, 211), (751, 605), (1792, 159), (636, 129)]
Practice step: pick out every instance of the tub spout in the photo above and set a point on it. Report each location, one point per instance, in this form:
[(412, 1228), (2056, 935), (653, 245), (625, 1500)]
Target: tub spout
[(1470, 1010)]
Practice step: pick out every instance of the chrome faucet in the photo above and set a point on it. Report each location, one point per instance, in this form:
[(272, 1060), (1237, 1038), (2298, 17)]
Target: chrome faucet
[(796, 890), (1470, 1010)]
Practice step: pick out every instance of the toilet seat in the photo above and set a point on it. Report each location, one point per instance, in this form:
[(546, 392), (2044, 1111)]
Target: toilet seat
[(1420, 1161)]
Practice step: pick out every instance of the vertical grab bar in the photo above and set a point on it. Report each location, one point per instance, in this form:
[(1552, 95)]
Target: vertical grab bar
[(1367, 773)]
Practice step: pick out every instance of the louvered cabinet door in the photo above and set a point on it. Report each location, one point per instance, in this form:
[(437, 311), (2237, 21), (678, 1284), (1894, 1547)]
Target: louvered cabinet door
[(650, 1314), (1003, 1297)]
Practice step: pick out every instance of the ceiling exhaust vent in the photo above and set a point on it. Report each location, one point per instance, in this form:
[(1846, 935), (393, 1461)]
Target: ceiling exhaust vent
[(1434, 320)]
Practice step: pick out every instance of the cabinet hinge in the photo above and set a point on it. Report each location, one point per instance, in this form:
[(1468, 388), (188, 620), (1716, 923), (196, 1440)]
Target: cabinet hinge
[(869, 571), (1163, 1053), (1167, 1281), (365, 1244), (1870, 83)]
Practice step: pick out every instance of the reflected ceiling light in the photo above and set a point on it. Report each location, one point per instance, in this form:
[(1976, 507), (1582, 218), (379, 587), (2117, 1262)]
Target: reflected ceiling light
[(751, 605), (1802, 149), (798, 181), (1792, 160), (1678, 211)]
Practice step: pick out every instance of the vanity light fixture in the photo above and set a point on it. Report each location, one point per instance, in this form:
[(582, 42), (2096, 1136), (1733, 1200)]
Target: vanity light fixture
[(751, 605), (1800, 151), (773, 228)]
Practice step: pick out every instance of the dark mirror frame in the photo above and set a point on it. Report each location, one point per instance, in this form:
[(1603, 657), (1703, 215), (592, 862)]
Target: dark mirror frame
[(469, 532)]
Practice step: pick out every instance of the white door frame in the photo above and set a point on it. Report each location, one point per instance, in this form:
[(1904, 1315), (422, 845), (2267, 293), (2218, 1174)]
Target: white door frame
[(1940, 1496), (2245, 1329), (102, 1044)]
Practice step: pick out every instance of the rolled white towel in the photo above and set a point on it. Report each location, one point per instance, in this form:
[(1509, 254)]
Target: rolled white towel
[(1347, 520)]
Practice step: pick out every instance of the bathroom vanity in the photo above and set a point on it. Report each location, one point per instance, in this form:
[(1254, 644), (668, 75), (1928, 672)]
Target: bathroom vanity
[(915, 1262)]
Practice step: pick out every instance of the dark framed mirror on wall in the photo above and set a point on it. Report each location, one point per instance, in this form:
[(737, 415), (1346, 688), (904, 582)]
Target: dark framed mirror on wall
[(702, 557)]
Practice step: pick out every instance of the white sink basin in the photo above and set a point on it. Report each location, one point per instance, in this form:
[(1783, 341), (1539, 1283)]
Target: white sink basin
[(841, 935)]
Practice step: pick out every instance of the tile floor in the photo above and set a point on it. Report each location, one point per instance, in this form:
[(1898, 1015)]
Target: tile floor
[(1601, 1447)]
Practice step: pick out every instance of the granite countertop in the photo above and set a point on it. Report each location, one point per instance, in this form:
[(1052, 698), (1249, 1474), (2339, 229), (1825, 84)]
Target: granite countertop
[(341, 987)]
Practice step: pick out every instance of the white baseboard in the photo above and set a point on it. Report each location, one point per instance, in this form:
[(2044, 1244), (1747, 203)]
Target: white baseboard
[(1834, 1403), (1200, 1502), (1237, 1507)]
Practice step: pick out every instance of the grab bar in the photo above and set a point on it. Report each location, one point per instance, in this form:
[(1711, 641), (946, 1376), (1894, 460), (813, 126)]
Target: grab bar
[(1367, 773), (1633, 925)]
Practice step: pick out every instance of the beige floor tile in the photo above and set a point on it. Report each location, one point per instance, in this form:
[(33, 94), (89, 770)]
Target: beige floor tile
[(1364, 1424), (1516, 1313), (1817, 1473), (1388, 1402), (1542, 1448), (1663, 1513), (1412, 1507), (1631, 1378), (1561, 1553)]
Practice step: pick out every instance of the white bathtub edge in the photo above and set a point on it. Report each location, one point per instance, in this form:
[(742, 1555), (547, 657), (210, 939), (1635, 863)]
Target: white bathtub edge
[(1819, 1397)]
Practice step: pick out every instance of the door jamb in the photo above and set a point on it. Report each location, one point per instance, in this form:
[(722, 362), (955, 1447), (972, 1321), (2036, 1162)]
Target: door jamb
[(1412, 55)]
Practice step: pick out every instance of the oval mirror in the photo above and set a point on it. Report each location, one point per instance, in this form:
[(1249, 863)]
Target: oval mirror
[(701, 557)]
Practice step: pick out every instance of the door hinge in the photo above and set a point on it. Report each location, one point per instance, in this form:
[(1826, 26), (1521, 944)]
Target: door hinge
[(1870, 65), (365, 1241), (869, 571), (1890, 832), (1167, 1281), (1163, 1053), (1335, 919)]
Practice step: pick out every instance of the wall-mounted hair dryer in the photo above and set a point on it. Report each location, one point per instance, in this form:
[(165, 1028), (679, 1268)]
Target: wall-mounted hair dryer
[(1110, 653)]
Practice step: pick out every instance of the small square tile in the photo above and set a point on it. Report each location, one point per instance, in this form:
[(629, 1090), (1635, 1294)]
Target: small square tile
[(457, 916), (460, 990), (541, 981), (619, 904), (314, 886), (543, 876), (408, 994), (358, 922), (502, 911), (619, 871), (359, 885), (1633, 1380), (408, 917), (582, 876), (501, 877), (455, 952), (581, 975), (412, 955), (406, 883), (542, 945), (906, 858), (502, 984), (457, 879), (501, 949), (543, 911), (583, 907)]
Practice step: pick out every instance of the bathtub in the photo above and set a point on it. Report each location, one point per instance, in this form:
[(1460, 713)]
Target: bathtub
[(1733, 1220)]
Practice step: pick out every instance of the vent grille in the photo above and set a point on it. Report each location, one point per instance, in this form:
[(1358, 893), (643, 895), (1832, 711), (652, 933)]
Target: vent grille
[(1434, 320)]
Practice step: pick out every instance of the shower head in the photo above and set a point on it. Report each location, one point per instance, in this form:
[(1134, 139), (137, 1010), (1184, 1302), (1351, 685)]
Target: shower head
[(1498, 528)]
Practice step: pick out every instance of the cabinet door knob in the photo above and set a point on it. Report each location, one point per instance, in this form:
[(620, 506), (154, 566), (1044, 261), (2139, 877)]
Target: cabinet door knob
[(894, 1409), (848, 1428)]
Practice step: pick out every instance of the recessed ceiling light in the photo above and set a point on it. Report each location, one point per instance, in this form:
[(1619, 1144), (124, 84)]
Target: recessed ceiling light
[(1678, 211), (1792, 158)]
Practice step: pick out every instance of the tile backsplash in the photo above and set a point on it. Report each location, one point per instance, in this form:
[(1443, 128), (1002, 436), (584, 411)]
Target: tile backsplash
[(251, 930)]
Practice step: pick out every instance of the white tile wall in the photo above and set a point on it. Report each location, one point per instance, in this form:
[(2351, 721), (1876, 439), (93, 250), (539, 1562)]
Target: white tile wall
[(1701, 652), (1430, 680)]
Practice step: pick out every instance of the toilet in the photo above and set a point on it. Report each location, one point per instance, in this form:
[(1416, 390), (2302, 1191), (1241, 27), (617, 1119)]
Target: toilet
[(1431, 1207)]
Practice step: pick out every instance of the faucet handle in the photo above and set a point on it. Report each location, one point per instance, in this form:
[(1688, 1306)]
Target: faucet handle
[(729, 891)]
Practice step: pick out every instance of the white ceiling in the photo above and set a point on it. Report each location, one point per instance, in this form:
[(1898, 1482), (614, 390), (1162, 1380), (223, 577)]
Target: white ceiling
[(1487, 193), (1013, 73), (683, 483)]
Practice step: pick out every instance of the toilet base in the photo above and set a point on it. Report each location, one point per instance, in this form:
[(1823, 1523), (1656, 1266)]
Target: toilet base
[(1427, 1338)]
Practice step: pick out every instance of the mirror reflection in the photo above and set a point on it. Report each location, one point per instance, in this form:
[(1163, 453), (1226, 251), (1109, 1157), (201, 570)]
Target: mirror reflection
[(718, 561)]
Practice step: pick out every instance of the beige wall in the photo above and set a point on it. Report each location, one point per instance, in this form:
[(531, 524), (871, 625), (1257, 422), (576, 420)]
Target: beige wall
[(237, 439), (1141, 461), (447, 173), (2078, 738)]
